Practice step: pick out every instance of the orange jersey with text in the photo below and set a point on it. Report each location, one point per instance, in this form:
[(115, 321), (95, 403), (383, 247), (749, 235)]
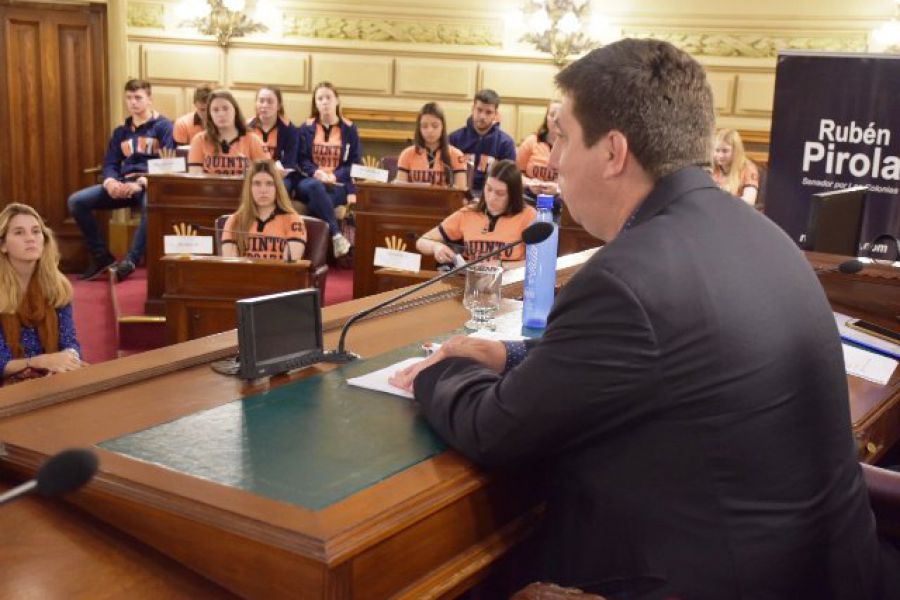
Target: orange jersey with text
[(532, 158), (186, 127), (234, 162), (481, 234), (326, 153), (419, 168), (267, 239), (269, 140)]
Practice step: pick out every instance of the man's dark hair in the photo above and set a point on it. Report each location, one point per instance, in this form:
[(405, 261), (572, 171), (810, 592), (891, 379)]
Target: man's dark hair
[(488, 96), (654, 93), (133, 85), (202, 93)]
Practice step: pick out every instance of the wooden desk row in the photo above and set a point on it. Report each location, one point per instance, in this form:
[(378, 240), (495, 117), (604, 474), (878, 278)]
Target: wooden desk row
[(386, 215)]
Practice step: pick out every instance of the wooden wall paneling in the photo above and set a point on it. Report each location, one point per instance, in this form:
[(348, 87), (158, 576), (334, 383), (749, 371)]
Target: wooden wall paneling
[(170, 102), (723, 85), (26, 128), (354, 72), (181, 64), (755, 94), (253, 68), (435, 78), (529, 120)]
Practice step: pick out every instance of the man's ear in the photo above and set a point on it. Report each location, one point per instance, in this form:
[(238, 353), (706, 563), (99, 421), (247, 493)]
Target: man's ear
[(617, 147)]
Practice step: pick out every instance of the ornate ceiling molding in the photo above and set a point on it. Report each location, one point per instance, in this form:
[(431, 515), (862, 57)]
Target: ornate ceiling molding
[(299, 25), (146, 15), (753, 44)]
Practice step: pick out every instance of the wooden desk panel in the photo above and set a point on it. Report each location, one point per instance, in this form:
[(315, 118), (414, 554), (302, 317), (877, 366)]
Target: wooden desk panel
[(402, 212), (200, 291), (174, 199)]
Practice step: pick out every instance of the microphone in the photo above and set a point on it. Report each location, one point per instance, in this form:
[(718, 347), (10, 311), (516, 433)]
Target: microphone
[(533, 234), (848, 267), (60, 474)]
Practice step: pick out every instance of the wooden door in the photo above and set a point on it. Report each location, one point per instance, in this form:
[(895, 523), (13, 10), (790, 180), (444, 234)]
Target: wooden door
[(53, 109)]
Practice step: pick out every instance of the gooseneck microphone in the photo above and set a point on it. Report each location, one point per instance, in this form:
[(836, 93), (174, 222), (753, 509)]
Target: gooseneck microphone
[(60, 474), (533, 234)]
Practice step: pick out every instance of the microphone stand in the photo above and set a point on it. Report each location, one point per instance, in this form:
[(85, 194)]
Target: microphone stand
[(341, 355)]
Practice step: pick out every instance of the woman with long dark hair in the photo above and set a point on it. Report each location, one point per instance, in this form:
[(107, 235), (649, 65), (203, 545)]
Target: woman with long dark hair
[(432, 160), (226, 147)]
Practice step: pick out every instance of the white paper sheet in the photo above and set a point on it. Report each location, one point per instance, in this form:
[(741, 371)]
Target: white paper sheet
[(378, 380), (868, 365)]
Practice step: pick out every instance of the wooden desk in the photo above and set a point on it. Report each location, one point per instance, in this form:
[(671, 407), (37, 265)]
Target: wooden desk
[(201, 290), (872, 294), (572, 237), (395, 215), (431, 530), (177, 198)]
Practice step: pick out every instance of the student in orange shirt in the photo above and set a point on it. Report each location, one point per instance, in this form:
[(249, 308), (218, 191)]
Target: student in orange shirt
[(732, 170), (278, 134), (432, 159), (329, 147), (532, 158), (265, 224), (226, 147), (499, 218), (189, 125)]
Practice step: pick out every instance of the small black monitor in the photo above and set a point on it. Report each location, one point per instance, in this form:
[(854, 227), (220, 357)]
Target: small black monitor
[(835, 221), (279, 332)]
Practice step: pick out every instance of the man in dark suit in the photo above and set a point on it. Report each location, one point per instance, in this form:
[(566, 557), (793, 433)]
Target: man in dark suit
[(689, 390)]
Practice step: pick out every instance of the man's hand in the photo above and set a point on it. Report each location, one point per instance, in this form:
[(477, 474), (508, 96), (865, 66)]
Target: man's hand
[(487, 352)]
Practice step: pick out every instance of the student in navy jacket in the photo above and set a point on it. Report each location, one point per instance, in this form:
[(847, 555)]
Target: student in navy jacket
[(277, 133), (329, 147), (132, 144), (482, 139)]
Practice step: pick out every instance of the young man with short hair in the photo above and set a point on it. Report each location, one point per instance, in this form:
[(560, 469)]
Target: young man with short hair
[(189, 125), (132, 144), (482, 140)]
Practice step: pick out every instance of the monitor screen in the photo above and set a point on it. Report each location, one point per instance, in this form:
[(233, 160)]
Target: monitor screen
[(276, 332), (835, 220)]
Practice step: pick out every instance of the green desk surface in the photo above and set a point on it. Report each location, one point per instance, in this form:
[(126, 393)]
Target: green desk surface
[(311, 442)]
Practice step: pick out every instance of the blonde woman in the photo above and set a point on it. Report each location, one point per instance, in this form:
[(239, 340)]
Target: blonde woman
[(732, 170), (265, 224), (37, 331)]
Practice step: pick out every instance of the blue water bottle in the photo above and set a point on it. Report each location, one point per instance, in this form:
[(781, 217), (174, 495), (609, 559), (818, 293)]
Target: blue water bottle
[(540, 270)]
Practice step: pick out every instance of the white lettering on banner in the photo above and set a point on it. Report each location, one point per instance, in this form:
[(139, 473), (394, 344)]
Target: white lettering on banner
[(876, 165)]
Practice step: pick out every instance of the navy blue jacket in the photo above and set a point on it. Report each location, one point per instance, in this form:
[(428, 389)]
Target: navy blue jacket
[(130, 148), (351, 151), (495, 144)]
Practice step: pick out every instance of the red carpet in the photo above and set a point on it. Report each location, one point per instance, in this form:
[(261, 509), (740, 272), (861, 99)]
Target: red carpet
[(94, 322)]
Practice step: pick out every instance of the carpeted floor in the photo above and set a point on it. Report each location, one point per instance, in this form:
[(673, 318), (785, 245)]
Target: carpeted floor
[(94, 322)]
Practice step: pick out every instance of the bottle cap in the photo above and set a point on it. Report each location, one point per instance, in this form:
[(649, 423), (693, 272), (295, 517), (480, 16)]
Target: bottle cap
[(544, 201)]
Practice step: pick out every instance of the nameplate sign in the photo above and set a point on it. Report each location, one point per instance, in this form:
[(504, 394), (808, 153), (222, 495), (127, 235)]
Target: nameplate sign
[(188, 244), (398, 259), (370, 173), (156, 166)]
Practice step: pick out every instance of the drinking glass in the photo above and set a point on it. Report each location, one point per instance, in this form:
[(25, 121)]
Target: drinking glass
[(482, 296)]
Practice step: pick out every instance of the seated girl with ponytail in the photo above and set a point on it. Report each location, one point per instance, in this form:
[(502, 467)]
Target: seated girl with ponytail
[(37, 336)]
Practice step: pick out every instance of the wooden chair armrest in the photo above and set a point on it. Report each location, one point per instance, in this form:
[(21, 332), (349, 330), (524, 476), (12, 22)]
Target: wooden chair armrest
[(142, 319), (93, 170)]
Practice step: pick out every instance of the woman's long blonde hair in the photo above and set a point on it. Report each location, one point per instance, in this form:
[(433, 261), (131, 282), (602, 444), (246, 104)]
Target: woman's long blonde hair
[(246, 214), (732, 180), (56, 288)]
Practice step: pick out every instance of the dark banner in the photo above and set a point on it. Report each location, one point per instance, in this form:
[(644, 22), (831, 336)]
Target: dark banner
[(835, 124)]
